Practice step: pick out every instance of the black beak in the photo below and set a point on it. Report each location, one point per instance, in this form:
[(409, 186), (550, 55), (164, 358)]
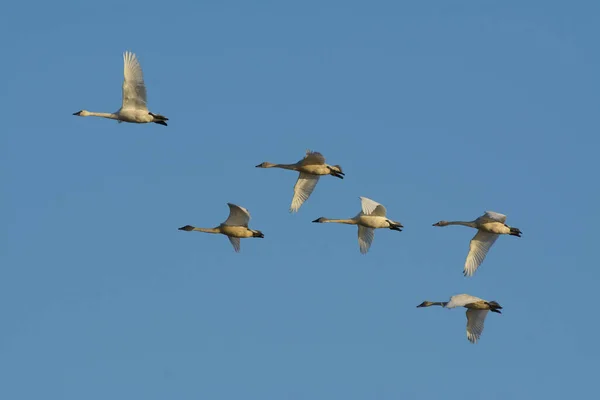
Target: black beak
[(436, 224), (77, 113), (317, 220)]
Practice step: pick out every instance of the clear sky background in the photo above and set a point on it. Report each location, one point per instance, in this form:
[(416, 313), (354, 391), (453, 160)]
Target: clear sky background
[(437, 109)]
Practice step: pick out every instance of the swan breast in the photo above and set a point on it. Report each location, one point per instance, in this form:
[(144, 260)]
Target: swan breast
[(315, 169), (495, 227), (373, 221), (236, 231)]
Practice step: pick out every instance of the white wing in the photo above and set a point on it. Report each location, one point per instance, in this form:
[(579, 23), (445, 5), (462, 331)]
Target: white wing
[(134, 90), (238, 216), (475, 319), (461, 300), (235, 242), (365, 238), (370, 207), (312, 158), (302, 189), (478, 249), (494, 216)]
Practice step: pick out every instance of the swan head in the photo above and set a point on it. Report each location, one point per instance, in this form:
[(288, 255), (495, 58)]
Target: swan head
[(425, 304), (258, 234), (336, 171), (82, 113), (265, 165), (320, 220), (441, 223), (494, 306)]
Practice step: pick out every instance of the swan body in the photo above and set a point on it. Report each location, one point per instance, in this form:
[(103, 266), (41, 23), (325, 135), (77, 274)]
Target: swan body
[(372, 216), (311, 168), (477, 310), (133, 108), (235, 227), (490, 226)]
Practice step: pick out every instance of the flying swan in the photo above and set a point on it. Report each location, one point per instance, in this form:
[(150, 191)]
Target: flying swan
[(311, 167), (134, 107), (234, 227), (490, 226), (477, 310), (371, 217)]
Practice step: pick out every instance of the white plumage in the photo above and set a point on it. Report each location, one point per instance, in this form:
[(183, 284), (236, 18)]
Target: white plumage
[(133, 107)]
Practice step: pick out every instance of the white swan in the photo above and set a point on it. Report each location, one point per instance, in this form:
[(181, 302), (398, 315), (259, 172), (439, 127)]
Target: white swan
[(133, 108), (476, 313), (490, 226), (311, 167), (372, 216), (234, 227)]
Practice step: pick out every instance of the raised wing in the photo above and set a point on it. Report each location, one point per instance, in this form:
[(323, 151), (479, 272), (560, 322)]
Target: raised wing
[(478, 249), (235, 242), (134, 90), (460, 300), (312, 158), (238, 216), (365, 238), (494, 216), (370, 207), (302, 190), (475, 319)]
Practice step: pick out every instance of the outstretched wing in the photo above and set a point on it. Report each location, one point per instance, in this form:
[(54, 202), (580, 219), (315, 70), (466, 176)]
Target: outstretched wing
[(238, 216), (235, 242), (302, 189), (370, 207), (478, 249), (312, 158), (494, 216), (134, 89), (365, 238), (475, 320)]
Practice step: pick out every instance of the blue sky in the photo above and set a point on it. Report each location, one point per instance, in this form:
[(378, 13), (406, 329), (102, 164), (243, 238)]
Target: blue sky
[(438, 110)]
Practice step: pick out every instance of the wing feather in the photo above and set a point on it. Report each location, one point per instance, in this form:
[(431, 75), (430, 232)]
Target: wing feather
[(365, 238), (494, 216), (478, 249), (370, 207), (134, 89), (313, 158), (303, 189), (238, 216), (235, 242), (475, 320)]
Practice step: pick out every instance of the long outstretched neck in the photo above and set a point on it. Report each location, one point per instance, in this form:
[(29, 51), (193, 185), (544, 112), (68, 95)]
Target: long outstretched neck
[(432, 303), (339, 221), (439, 303), (190, 228), (103, 115), (284, 166), (472, 224)]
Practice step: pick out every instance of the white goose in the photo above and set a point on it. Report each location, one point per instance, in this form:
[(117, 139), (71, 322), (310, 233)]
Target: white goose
[(371, 217), (133, 108), (490, 226), (234, 227), (477, 310), (311, 167)]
